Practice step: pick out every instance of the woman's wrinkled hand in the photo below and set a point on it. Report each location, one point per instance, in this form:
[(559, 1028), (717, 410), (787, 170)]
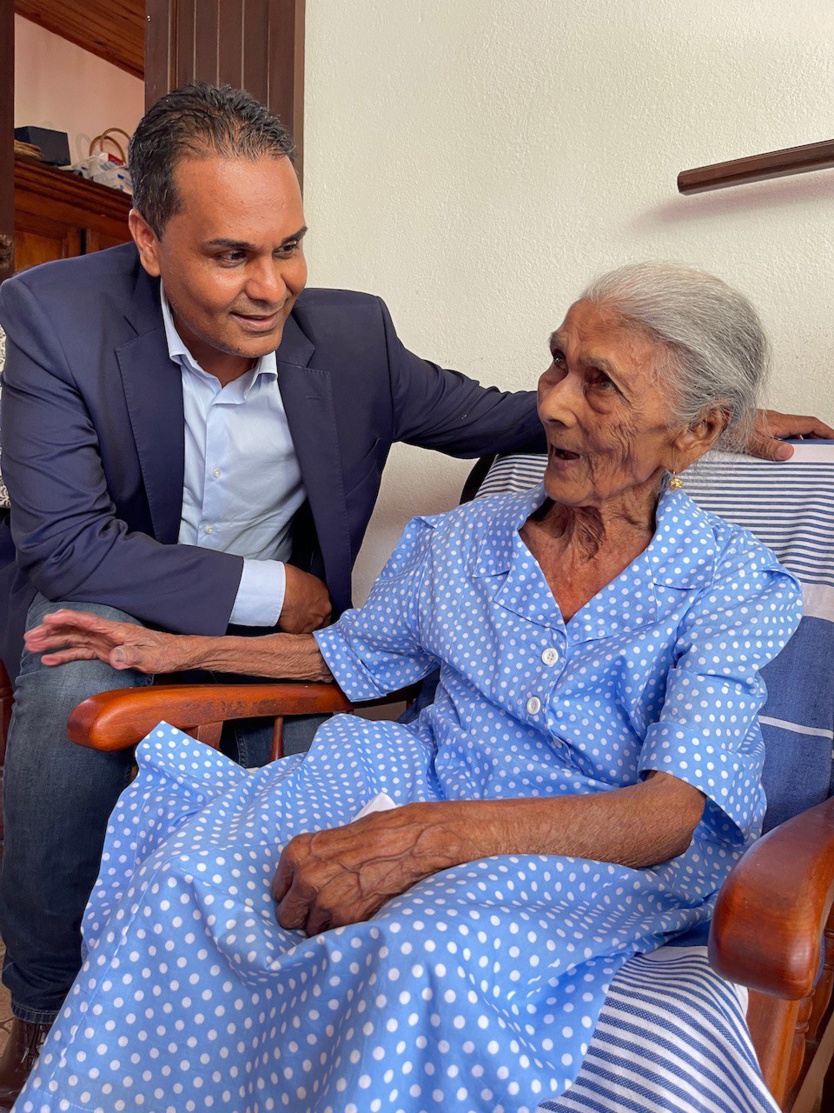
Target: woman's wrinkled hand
[(345, 875), (78, 636)]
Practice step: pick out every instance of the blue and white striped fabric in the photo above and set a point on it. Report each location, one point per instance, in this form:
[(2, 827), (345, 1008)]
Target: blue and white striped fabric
[(671, 1037)]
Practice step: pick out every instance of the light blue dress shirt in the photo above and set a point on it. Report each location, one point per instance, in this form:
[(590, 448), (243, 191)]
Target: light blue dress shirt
[(241, 481)]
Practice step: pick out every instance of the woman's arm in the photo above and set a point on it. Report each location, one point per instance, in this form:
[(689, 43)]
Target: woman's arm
[(78, 636), (346, 874)]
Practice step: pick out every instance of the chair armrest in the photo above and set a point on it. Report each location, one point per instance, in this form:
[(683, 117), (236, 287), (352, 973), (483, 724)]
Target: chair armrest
[(772, 909), (115, 720)]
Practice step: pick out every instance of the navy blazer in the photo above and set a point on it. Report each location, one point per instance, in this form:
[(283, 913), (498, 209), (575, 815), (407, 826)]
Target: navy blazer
[(93, 440)]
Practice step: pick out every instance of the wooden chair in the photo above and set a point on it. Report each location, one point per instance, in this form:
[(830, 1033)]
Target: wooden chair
[(773, 929)]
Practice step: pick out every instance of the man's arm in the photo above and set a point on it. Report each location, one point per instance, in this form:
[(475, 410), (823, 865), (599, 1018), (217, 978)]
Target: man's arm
[(445, 410)]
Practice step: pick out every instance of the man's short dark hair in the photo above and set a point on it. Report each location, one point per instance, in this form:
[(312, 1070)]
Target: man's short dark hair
[(197, 120)]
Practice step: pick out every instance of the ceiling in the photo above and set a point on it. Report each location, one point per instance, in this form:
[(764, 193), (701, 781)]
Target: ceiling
[(112, 29)]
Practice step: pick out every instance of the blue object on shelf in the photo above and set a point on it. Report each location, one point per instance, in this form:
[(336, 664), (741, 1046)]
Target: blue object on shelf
[(53, 145)]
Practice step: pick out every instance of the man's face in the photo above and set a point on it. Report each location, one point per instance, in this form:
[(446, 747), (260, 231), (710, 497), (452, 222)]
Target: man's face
[(231, 259)]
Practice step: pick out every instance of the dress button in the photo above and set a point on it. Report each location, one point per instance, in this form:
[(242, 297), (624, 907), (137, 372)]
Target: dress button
[(550, 656), (209, 529), (216, 473), (534, 705)]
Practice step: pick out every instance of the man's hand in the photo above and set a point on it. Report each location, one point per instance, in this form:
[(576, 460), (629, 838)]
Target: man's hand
[(306, 603), (771, 425), (78, 636), (345, 875)]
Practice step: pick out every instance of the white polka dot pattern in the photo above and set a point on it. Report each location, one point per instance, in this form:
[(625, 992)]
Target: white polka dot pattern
[(479, 988)]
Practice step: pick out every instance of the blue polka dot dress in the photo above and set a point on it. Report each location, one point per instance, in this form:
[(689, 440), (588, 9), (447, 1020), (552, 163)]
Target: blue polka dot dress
[(479, 988)]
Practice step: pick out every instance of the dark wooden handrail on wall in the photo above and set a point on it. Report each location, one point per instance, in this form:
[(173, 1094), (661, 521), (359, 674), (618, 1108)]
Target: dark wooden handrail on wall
[(758, 168)]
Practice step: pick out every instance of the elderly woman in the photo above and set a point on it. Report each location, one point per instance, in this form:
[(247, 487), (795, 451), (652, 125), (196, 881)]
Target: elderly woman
[(582, 784)]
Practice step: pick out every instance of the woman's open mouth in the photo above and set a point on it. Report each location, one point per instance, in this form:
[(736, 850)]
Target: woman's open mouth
[(563, 454)]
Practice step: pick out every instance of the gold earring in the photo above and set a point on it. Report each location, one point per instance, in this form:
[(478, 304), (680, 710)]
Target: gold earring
[(675, 483)]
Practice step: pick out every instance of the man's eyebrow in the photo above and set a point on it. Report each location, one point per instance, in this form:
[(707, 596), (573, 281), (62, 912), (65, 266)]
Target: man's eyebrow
[(243, 245)]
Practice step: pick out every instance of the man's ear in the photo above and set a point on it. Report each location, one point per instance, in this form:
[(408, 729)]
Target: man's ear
[(146, 241), (691, 443)]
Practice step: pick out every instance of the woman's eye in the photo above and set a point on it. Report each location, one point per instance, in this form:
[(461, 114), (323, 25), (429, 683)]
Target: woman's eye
[(602, 382)]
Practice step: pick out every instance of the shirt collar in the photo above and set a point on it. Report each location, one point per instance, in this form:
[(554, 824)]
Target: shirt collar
[(178, 352)]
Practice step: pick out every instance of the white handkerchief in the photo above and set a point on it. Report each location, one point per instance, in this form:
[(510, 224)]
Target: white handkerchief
[(382, 802)]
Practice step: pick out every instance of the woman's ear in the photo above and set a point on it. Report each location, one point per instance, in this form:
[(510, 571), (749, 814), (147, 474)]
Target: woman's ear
[(146, 241), (691, 443)]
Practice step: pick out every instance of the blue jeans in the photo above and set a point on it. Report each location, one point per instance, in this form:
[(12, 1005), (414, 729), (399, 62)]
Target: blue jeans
[(57, 800)]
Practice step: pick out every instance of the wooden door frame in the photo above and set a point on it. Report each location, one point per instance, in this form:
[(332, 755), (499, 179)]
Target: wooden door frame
[(171, 58)]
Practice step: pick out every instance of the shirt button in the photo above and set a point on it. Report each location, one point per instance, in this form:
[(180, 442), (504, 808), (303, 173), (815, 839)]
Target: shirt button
[(550, 656), (534, 705), (209, 529), (216, 473)]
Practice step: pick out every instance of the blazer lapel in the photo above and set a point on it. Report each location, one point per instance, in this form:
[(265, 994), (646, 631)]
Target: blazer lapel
[(308, 401), (153, 389)]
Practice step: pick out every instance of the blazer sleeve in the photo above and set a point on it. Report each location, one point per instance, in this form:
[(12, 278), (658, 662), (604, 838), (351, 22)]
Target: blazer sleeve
[(445, 410), (71, 544)]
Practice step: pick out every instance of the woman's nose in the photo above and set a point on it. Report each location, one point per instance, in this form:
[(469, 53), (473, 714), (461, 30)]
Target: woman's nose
[(559, 401)]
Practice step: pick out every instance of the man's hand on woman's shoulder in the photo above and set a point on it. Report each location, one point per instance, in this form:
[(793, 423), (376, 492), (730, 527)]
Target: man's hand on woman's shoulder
[(771, 426)]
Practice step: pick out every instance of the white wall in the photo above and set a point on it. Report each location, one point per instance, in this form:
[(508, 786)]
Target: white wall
[(476, 161), (58, 85)]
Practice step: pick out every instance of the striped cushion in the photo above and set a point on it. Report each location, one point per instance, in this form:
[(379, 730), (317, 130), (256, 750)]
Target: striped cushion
[(671, 1038)]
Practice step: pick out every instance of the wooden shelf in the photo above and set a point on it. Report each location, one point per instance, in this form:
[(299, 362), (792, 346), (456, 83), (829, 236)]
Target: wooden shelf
[(58, 214), (67, 193), (112, 29)]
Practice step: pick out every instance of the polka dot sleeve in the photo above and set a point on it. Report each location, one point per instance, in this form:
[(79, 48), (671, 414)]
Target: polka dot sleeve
[(708, 732), (376, 650)]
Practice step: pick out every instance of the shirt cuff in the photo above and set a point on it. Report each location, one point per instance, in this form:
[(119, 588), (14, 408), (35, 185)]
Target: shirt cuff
[(260, 595), (729, 778), (348, 671)]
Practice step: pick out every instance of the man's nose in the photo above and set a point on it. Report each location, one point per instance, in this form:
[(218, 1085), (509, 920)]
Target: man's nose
[(265, 282)]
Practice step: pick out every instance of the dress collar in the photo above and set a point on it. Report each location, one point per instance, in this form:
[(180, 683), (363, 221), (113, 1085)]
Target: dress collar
[(680, 556)]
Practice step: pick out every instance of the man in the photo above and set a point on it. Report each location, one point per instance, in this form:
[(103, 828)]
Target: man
[(191, 440)]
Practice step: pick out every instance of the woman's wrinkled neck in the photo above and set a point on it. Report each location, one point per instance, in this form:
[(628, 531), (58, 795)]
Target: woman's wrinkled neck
[(586, 531)]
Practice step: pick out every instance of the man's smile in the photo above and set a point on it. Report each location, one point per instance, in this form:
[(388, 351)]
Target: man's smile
[(258, 322)]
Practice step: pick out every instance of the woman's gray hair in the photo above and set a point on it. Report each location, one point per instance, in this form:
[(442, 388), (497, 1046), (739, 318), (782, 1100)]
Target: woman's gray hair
[(717, 351)]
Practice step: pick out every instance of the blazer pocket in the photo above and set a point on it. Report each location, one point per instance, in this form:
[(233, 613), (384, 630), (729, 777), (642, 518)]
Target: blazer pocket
[(362, 470)]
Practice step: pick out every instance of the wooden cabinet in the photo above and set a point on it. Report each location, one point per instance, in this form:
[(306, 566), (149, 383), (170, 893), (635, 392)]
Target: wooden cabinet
[(58, 214)]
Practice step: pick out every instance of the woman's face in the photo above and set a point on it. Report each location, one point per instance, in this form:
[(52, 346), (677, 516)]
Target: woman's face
[(605, 413)]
